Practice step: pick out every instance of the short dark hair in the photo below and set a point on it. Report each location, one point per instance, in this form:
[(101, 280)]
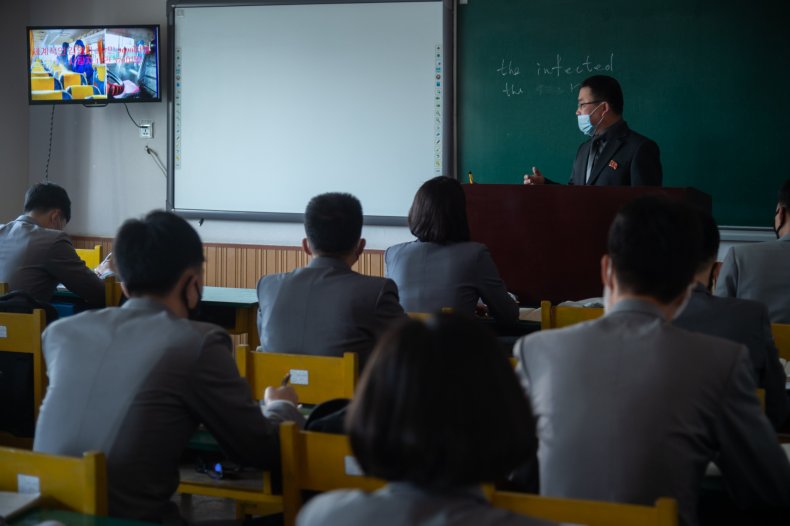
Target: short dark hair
[(438, 213), (784, 194), (151, 254), (43, 197), (413, 418), (604, 87), (333, 223), (654, 244)]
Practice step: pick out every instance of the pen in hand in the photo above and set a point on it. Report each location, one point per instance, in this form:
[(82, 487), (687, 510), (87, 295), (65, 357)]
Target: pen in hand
[(286, 379)]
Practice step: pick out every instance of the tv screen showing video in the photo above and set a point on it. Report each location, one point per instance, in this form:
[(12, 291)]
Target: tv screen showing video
[(93, 65)]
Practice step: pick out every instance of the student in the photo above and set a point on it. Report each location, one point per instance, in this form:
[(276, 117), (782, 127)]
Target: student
[(615, 155), (326, 308), (738, 320), (414, 422), (443, 268), (135, 382), (761, 271), (36, 255), (631, 408)]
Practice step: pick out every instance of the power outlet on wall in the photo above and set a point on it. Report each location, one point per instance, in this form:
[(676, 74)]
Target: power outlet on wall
[(146, 129)]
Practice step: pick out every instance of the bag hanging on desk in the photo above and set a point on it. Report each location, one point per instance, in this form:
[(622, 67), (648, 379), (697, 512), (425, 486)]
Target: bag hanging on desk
[(23, 303)]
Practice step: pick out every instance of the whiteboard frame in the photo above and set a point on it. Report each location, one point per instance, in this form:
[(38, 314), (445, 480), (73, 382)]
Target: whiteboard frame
[(448, 103)]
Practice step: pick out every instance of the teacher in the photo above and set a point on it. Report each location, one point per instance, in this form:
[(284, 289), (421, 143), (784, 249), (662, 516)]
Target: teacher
[(615, 155)]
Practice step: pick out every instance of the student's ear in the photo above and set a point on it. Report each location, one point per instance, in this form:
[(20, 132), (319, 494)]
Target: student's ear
[(360, 247), (306, 247), (54, 219)]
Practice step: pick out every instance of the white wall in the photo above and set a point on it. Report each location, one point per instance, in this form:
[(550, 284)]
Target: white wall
[(13, 108), (96, 153)]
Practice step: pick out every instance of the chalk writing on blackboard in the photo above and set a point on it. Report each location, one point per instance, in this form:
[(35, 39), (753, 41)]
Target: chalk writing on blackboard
[(557, 67), (510, 70)]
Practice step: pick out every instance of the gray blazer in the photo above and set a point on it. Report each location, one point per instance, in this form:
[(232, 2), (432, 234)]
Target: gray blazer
[(325, 309), (35, 259), (431, 276), (630, 408), (402, 504), (134, 382), (745, 322), (761, 272)]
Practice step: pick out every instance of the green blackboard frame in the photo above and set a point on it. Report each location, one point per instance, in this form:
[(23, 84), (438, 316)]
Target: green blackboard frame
[(707, 80)]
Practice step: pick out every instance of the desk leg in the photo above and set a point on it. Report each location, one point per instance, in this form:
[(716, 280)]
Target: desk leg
[(251, 317)]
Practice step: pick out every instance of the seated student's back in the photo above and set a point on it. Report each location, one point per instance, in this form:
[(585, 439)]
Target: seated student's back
[(437, 413), (36, 255), (326, 308), (443, 268)]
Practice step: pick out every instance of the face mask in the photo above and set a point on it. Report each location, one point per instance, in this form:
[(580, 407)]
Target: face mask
[(585, 124), (192, 313), (781, 223)]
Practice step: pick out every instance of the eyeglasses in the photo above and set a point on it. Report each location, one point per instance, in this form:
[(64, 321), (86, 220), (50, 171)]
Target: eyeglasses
[(583, 104)]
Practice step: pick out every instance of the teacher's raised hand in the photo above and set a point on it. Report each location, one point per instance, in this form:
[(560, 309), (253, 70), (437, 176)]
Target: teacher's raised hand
[(535, 178)]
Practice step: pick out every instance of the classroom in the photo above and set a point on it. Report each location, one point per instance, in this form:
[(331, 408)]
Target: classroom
[(506, 84)]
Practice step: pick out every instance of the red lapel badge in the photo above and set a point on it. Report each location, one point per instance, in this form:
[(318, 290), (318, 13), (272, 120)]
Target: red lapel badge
[(613, 164)]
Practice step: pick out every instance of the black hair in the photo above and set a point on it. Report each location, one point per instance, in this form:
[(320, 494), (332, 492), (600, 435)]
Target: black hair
[(438, 213), (654, 244), (413, 418), (152, 253), (784, 194), (43, 197), (606, 88), (333, 223)]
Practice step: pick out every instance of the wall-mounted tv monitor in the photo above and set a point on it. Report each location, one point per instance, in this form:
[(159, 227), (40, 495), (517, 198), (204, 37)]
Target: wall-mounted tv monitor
[(93, 64)]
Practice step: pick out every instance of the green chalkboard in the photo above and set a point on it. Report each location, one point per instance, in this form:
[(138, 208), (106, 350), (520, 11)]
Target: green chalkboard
[(708, 80)]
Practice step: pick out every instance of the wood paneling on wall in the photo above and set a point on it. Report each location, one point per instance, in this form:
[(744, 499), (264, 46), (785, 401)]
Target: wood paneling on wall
[(241, 265)]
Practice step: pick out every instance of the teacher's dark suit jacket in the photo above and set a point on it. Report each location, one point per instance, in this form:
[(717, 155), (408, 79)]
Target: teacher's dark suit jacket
[(745, 322), (325, 309), (627, 159), (630, 408)]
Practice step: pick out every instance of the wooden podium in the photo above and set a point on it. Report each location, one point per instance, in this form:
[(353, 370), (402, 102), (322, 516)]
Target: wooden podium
[(547, 241)]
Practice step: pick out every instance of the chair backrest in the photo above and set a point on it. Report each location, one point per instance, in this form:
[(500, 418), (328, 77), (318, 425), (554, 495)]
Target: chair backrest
[(317, 462), (316, 379), (49, 95), (3, 288), (91, 256), (21, 333), (589, 512), (561, 316), (75, 484), (781, 332), (82, 92)]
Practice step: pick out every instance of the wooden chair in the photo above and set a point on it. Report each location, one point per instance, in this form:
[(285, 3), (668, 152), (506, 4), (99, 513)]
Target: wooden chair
[(21, 333), (326, 377), (781, 333), (74, 484), (91, 256), (553, 317), (589, 512), (317, 462), (112, 292), (316, 379), (4, 289)]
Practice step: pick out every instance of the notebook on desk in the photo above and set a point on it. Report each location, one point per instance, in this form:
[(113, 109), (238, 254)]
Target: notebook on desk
[(13, 503)]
